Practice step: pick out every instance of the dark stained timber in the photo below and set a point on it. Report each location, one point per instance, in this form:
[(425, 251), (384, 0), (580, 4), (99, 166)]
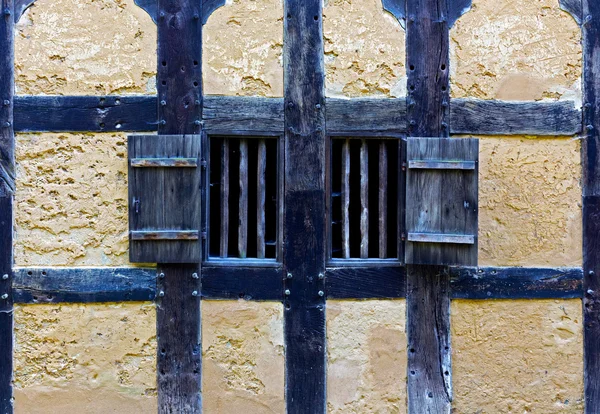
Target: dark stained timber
[(428, 293), (573, 7), (516, 283), (7, 186), (591, 201), (375, 282), (304, 201), (208, 7), (178, 316), (249, 283), (83, 285), (225, 115)]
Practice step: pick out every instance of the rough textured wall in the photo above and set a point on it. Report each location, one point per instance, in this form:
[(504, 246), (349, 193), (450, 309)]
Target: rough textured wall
[(366, 357), (243, 365), (364, 50), (514, 49), (530, 202), (243, 46), (79, 47), (93, 359), (517, 356), (71, 200)]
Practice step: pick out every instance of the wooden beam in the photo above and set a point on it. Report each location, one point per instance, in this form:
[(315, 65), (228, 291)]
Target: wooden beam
[(591, 203), (516, 283), (178, 316), (237, 115), (428, 292), (83, 285), (242, 282), (208, 7), (368, 282), (7, 187), (304, 203)]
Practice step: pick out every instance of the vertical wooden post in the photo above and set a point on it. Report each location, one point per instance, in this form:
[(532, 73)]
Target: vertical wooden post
[(304, 197), (7, 186), (428, 302), (591, 203), (179, 85)]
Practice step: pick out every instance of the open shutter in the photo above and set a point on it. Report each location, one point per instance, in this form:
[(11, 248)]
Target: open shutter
[(164, 198), (441, 201)]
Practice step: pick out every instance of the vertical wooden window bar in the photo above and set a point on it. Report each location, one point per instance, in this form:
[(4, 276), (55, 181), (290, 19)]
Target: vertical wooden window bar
[(365, 198), (244, 203)]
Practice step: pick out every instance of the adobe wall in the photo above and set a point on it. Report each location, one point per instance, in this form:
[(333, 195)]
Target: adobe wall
[(72, 211)]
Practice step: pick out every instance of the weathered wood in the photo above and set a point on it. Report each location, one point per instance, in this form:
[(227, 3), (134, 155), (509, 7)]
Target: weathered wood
[(164, 202), (178, 316), (441, 238), (516, 283), (304, 222), (242, 282), (364, 199), (428, 302), (374, 282), (225, 115), (83, 285), (19, 8), (481, 117), (260, 199), (164, 162), (455, 9), (7, 187), (574, 8), (591, 203), (383, 199), (179, 362), (224, 237), (442, 204), (366, 117), (85, 113), (441, 165), (428, 328), (208, 7), (345, 195), (243, 201)]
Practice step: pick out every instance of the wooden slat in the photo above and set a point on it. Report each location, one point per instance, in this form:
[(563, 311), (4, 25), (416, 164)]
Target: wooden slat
[(345, 194), (441, 165), (260, 199), (7, 187), (304, 249), (224, 236), (84, 285), (364, 199), (243, 201), (383, 199), (441, 238), (165, 235), (164, 162)]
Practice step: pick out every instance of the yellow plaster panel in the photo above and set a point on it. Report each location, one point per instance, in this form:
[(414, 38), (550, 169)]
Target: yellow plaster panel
[(530, 202), (243, 363), (366, 357), (98, 358), (71, 200), (243, 46), (521, 356), (364, 50), (516, 50), (79, 47)]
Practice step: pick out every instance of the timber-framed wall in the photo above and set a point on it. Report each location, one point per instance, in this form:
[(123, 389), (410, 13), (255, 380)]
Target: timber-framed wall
[(304, 114)]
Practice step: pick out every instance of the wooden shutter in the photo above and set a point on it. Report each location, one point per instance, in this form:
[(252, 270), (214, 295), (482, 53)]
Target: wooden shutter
[(441, 201), (164, 198)]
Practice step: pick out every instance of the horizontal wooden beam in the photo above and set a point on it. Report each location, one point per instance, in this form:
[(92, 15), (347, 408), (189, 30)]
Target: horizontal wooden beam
[(440, 165), (104, 284), (227, 115), (165, 235), (516, 283), (441, 238), (164, 162), (83, 285)]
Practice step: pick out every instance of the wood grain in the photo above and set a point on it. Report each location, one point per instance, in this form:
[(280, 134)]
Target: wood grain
[(224, 230), (304, 248), (243, 201), (260, 199), (364, 199), (345, 196), (383, 199)]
